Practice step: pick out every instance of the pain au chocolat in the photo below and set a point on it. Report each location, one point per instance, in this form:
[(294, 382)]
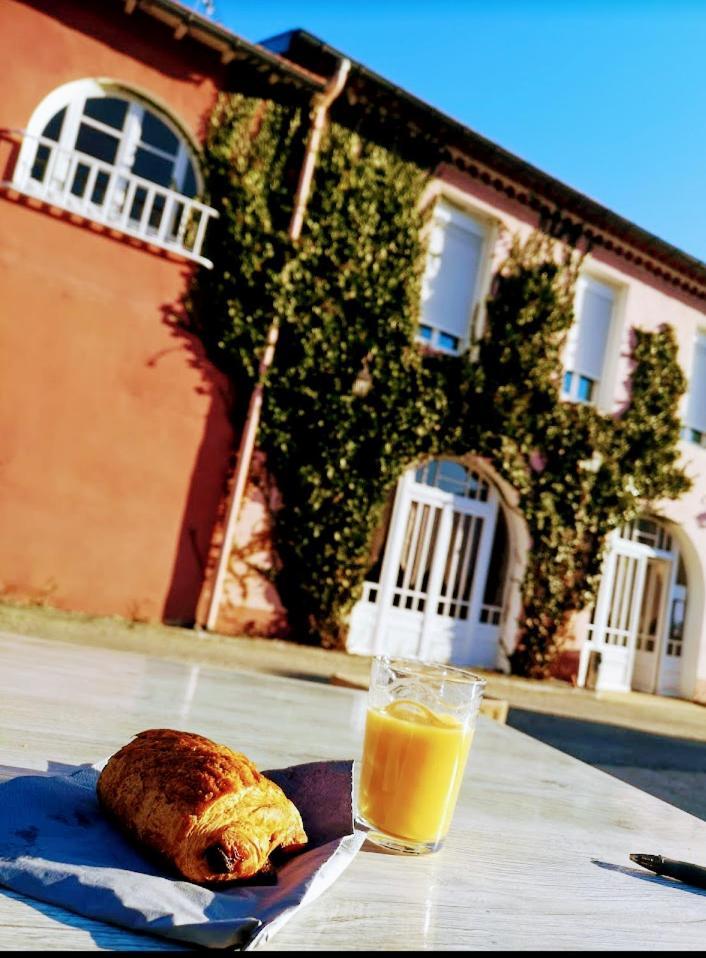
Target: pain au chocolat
[(202, 807)]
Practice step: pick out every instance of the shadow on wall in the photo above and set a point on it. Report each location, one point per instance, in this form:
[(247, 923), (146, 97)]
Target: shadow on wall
[(207, 485), (207, 482), (628, 356), (250, 602)]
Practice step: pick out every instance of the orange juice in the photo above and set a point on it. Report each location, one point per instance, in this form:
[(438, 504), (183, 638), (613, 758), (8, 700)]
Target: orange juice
[(413, 761)]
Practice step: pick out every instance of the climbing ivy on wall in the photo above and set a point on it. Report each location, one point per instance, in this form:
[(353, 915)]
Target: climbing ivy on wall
[(578, 473), (347, 297)]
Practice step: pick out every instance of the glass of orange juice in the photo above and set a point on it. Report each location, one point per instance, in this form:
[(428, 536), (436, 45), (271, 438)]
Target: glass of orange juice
[(418, 732)]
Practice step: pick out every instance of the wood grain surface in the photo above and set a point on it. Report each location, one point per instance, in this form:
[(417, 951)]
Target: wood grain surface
[(537, 856)]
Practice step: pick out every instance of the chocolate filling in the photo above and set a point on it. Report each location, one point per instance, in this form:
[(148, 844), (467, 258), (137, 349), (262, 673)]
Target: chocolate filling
[(219, 861)]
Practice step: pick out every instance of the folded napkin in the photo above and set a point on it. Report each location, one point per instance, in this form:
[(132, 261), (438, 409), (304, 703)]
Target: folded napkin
[(56, 845)]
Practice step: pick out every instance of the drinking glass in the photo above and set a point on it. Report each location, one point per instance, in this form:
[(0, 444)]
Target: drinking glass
[(419, 727)]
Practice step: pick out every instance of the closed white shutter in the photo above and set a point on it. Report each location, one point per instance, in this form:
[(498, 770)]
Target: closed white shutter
[(696, 415), (595, 303), (451, 275)]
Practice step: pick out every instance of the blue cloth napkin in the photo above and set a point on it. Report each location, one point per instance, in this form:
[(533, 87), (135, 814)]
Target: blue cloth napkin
[(56, 845)]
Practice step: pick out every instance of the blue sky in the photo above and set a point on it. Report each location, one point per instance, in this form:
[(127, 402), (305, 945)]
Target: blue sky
[(609, 97)]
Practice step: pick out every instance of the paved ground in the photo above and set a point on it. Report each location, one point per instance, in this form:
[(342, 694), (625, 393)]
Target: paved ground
[(672, 768), (655, 743)]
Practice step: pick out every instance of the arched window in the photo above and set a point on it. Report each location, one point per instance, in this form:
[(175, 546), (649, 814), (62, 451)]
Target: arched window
[(100, 151)]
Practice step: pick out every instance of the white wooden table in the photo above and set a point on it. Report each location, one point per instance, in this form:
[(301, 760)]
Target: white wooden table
[(537, 857)]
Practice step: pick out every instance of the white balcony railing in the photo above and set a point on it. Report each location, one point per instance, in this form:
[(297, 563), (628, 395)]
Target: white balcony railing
[(121, 201)]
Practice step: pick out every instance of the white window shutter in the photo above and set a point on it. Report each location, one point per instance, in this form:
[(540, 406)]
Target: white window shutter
[(455, 247), (696, 415), (595, 315)]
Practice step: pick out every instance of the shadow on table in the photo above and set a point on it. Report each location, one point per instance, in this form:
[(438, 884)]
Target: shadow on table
[(53, 768), (104, 935), (670, 768), (62, 823), (654, 879), (303, 676)]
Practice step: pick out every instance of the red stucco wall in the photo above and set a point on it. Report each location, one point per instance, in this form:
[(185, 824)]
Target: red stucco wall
[(115, 432)]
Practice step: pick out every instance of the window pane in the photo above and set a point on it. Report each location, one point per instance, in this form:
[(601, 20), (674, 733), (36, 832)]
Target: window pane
[(676, 624), (41, 159), (427, 473), (99, 188), (646, 530), (175, 220), (138, 204), (189, 187), (154, 220), (97, 143), (156, 133), (153, 167), (425, 333), (52, 130), (497, 567), (585, 390), (452, 477), (448, 342), (568, 376), (108, 109), (78, 186), (651, 608)]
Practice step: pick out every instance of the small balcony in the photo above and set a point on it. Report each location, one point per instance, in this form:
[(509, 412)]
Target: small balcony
[(116, 198)]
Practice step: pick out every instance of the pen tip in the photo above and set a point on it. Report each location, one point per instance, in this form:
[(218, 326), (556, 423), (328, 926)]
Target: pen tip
[(647, 861)]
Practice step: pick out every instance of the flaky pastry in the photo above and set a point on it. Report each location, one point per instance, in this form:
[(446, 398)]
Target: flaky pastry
[(204, 808)]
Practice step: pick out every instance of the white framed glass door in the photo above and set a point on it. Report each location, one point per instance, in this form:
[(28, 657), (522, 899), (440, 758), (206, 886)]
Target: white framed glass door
[(427, 597), (613, 629), (636, 627), (651, 624), (669, 679)]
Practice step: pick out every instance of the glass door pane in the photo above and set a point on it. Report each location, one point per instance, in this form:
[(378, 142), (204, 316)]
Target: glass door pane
[(459, 569), (416, 558), (651, 624)]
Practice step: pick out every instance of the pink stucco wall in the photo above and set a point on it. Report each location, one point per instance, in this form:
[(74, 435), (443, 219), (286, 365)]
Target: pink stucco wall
[(116, 434)]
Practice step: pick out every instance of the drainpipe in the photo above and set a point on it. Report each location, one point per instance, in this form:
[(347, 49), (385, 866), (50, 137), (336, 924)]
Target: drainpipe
[(320, 106)]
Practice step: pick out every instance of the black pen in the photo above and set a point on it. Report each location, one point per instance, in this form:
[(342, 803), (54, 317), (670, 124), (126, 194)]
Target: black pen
[(684, 871)]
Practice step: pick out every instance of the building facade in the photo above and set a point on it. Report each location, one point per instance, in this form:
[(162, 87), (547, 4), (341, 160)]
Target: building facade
[(118, 430), (448, 586), (117, 434)]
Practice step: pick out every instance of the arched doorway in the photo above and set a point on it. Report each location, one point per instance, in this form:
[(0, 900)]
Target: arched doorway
[(436, 589), (635, 639)]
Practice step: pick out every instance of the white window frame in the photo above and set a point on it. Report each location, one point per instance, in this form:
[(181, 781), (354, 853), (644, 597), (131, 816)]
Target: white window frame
[(168, 206), (692, 435), (442, 194), (601, 392)]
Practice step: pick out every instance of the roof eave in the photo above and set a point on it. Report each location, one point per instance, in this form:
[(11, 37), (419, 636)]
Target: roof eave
[(599, 218), (187, 22)]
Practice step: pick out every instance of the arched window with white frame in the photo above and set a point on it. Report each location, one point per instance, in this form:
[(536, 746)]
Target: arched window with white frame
[(107, 154)]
